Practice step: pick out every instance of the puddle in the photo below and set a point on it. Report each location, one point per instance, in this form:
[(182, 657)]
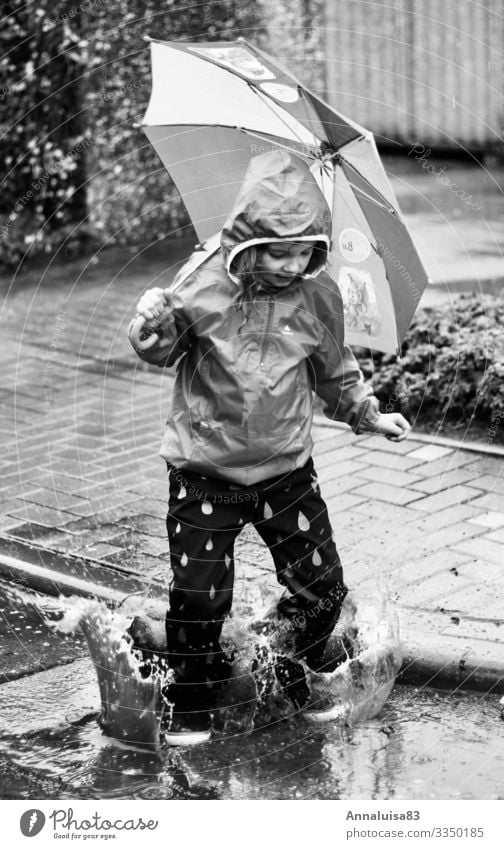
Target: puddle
[(404, 744), (424, 744)]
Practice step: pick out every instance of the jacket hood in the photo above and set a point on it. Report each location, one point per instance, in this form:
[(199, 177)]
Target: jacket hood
[(279, 199)]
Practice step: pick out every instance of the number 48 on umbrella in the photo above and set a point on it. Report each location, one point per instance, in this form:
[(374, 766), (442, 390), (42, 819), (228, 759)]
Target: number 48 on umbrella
[(214, 106)]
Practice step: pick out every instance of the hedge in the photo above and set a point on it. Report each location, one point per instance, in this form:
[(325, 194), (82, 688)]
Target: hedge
[(451, 365)]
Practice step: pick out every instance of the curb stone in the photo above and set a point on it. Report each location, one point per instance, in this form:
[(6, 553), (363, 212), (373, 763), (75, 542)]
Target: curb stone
[(431, 657)]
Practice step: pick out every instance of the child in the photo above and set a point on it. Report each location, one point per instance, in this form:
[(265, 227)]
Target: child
[(254, 329)]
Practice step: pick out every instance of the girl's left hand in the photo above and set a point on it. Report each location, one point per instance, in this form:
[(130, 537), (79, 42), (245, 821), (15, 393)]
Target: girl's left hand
[(393, 425)]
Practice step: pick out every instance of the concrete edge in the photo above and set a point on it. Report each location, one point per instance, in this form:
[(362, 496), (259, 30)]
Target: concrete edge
[(430, 659), (52, 573)]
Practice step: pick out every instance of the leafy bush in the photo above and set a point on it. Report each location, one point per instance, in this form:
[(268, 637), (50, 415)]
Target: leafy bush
[(73, 80), (451, 364)]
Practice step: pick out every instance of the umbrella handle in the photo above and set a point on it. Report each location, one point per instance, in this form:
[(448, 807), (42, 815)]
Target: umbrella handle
[(142, 339)]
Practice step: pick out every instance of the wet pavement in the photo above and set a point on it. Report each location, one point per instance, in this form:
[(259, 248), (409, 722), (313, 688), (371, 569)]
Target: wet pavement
[(454, 211)]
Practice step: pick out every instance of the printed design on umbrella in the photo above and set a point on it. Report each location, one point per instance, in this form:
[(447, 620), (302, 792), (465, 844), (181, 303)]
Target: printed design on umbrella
[(285, 93), (236, 59), (359, 301)]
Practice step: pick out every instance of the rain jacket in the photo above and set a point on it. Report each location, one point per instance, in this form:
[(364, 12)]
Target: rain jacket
[(242, 403)]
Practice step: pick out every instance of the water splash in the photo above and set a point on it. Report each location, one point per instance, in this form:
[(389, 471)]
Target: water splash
[(130, 691), (132, 702), (365, 646), (359, 687)]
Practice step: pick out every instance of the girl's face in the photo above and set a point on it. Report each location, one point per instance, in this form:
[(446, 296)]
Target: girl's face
[(280, 262)]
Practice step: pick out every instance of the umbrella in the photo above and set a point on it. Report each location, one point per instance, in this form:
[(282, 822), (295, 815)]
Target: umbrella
[(215, 105)]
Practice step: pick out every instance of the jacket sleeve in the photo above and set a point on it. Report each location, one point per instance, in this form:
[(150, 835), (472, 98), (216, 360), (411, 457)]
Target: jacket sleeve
[(174, 338), (335, 375)]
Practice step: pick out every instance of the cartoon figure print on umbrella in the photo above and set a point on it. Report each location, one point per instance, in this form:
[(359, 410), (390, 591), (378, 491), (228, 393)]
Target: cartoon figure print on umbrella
[(255, 327)]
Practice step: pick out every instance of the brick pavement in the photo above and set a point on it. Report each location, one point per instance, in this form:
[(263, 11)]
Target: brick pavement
[(81, 420)]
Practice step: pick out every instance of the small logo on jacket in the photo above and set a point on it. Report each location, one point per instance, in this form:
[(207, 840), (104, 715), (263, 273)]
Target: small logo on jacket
[(286, 331), (32, 822)]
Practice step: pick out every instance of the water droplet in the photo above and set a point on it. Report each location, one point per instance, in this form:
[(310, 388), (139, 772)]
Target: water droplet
[(177, 529), (227, 560), (316, 559), (212, 592), (240, 521), (209, 544), (268, 512), (303, 523), (206, 508), (184, 559), (182, 492)]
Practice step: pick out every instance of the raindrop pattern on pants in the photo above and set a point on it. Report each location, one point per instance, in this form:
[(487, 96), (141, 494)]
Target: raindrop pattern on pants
[(291, 517)]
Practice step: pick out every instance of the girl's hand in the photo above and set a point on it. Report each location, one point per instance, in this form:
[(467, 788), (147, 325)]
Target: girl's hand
[(393, 425), (155, 305)]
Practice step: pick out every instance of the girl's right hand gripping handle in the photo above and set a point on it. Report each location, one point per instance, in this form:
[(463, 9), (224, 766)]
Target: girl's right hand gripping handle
[(142, 339)]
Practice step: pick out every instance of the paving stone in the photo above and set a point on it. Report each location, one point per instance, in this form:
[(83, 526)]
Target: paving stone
[(155, 526), (98, 551), (449, 516), (474, 597), (385, 492), (437, 592), (452, 535), (151, 545), (487, 573), (489, 502), (455, 495), (336, 437), (400, 463), (42, 515), (342, 502), (333, 443), (377, 442), (416, 570), (490, 483), (444, 464), (496, 535), (390, 514), (53, 498), (489, 520), (32, 531), (393, 477), (336, 457), (447, 479), (338, 470), (430, 452), (483, 548), (101, 503)]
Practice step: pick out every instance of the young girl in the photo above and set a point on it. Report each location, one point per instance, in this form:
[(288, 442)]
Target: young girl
[(255, 329)]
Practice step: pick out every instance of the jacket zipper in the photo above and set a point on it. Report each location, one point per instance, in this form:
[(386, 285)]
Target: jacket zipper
[(266, 334)]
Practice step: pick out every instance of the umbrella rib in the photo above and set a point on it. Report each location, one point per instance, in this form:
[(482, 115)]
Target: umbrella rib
[(279, 144), (386, 204), (266, 99), (354, 216), (364, 194)]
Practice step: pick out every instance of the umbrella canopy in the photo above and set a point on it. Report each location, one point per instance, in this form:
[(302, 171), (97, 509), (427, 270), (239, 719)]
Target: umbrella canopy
[(214, 106)]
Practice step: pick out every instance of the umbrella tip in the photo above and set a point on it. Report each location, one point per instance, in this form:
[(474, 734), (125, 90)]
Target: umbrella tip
[(148, 38)]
